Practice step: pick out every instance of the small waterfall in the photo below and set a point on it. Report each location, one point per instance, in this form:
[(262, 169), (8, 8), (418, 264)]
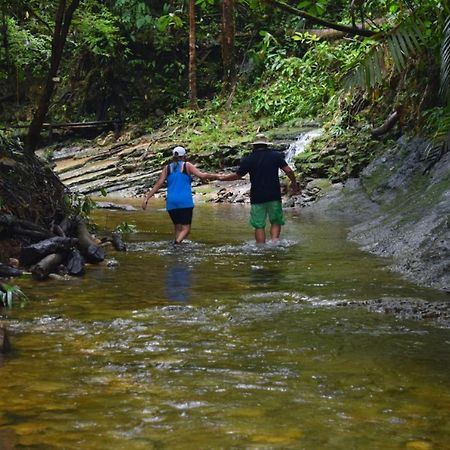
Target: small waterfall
[(300, 143)]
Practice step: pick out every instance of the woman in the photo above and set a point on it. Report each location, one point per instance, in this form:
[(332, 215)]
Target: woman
[(179, 201)]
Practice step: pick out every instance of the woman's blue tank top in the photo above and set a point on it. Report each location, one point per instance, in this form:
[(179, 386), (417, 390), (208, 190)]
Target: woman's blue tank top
[(179, 192)]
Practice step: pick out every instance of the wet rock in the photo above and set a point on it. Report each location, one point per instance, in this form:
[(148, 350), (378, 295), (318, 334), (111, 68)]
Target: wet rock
[(112, 263), (110, 205), (400, 212), (406, 309)]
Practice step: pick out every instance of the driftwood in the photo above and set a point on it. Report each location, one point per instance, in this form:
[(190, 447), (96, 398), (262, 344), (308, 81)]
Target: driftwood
[(75, 263), (47, 265), (117, 242), (8, 271), (10, 221), (35, 252), (88, 247), (387, 125), (36, 235), (5, 345)]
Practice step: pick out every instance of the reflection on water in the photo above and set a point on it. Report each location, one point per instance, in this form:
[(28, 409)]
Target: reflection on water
[(220, 343), (178, 282)]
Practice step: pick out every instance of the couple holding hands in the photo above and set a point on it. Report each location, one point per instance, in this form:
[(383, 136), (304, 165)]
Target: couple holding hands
[(262, 165)]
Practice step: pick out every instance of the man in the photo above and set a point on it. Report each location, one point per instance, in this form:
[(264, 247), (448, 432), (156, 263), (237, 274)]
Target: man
[(263, 165)]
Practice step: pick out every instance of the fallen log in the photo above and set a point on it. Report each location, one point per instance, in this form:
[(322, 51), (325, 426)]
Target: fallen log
[(387, 125), (37, 235), (75, 263), (88, 247), (8, 271), (12, 221), (118, 243), (33, 253), (47, 265)]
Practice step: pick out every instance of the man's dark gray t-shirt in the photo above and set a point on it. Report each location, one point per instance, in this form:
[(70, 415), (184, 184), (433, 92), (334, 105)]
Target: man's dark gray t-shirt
[(263, 166)]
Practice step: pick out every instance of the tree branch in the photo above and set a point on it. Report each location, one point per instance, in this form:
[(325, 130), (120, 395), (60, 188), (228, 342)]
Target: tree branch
[(335, 26)]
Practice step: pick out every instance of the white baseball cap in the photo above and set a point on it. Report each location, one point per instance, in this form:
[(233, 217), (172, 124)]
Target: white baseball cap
[(179, 151)]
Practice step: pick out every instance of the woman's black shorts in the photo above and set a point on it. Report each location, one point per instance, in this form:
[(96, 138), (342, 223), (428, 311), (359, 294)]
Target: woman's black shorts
[(181, 216)]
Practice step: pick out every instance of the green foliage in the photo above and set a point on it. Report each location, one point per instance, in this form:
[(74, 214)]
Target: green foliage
[(445, 61), (294, 87), (314, 7), (9, 293), (99, 33), (29, 52), (79, 205), (367, 67), (437, 122), (125, 228)]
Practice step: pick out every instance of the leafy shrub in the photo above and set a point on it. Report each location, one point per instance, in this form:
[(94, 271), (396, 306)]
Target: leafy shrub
[(299, 87)]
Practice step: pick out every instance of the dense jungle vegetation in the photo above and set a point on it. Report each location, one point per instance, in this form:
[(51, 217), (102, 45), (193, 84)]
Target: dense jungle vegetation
[(227, 68)]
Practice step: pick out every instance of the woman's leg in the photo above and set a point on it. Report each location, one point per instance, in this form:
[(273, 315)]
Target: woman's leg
[(183, 233), (177, 230)]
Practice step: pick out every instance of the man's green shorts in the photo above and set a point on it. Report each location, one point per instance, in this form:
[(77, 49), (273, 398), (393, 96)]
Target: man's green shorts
[(260, 211)]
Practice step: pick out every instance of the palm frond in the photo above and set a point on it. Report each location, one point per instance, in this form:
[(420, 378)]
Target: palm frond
[(402, 42), (369, 71), (445, 61)]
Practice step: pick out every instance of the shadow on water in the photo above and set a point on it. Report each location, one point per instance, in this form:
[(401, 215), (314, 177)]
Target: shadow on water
[(221, 343)]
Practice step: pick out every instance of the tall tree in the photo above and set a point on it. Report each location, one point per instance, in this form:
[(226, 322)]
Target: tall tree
[(228, 32), (64, 15), (192, 58)]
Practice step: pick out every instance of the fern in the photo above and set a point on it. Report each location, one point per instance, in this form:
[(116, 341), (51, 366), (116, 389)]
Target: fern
[(402, 42), (445, 61)]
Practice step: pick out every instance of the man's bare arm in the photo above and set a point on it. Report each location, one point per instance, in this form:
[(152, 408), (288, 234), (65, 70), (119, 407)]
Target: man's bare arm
[(291, 175)]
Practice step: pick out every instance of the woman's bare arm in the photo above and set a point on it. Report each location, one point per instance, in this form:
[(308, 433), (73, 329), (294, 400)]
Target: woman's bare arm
[(192, 170), (155, 188)]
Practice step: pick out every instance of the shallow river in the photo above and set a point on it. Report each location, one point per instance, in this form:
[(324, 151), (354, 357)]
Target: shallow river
[(223, 345)]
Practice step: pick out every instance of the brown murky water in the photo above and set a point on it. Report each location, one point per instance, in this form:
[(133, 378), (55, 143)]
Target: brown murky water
[(220, 345)]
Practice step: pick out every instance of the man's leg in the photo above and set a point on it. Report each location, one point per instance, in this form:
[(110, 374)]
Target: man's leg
[(258, 222), (275, 231), (276, 219), (260, 235)]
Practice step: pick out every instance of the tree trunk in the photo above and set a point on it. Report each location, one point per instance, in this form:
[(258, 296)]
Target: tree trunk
[(228, 32), (62, 23), (192, 58)]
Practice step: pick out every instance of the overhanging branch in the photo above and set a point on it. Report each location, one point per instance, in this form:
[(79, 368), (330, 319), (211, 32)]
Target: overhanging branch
[(336, 26)]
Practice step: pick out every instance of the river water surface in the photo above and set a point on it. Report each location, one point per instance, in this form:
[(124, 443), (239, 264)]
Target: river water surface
[(220, 344)]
